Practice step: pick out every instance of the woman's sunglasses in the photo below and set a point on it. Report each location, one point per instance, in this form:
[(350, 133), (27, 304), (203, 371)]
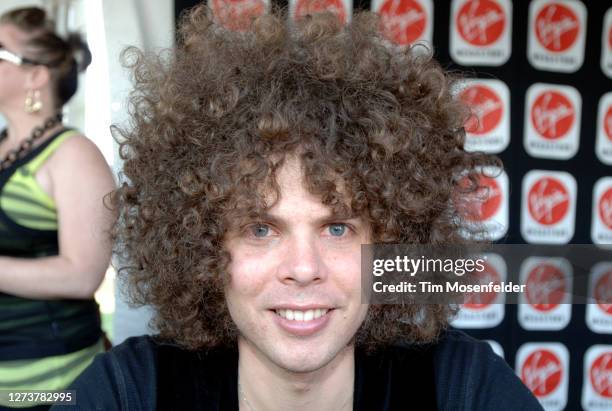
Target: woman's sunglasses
[(16, 59)]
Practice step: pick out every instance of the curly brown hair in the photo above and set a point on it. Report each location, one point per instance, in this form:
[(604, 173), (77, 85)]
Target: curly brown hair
[(376, 128)]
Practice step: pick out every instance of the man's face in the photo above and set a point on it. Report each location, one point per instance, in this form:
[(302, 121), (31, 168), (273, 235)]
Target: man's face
[(295, 290)]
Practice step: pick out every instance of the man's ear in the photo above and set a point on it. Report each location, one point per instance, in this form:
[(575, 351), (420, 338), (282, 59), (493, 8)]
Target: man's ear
[(38, 77)]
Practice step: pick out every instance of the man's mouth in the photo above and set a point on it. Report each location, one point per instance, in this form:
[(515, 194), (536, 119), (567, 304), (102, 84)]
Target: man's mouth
[(303, 321), (301, 315)]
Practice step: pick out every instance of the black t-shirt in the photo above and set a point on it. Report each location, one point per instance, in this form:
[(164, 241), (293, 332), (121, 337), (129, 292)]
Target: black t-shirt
[(456, 373)]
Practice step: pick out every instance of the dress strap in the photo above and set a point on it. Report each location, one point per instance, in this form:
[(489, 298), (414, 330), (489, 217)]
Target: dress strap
[(39, 160)]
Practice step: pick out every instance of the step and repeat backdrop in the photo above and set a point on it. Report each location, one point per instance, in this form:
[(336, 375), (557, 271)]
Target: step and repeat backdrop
[(538, 78)]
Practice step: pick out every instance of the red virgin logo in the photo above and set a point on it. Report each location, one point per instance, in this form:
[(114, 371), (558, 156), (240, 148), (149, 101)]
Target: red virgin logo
[(481, 204), (486, 107), (603, 292), (608, 123), (605, 208), (556, 27), (545, 287), (305, 7), (403, 21), (542, 372), (479, 301), (548, 201), (481, 22), (489, 196), (237, 14), (552, 115), (601, 375)]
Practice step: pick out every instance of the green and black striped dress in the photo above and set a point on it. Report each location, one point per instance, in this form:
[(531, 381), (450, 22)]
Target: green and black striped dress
[(44, 344)]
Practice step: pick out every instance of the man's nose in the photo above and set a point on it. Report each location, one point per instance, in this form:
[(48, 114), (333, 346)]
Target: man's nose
[(302, 263)]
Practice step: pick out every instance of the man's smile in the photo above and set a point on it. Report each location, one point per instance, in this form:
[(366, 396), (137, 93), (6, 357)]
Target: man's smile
[(303, 323)]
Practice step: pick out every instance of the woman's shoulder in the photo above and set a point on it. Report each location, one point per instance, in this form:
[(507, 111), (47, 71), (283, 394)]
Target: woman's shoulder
[(77, 166), (75, 146)]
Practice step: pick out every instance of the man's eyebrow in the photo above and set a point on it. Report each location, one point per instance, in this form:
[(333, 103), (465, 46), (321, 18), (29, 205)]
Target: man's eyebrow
[(329, 218), (340, 216), (265, 217)]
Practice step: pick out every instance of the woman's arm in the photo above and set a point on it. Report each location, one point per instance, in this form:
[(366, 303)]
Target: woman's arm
[(80, 178)]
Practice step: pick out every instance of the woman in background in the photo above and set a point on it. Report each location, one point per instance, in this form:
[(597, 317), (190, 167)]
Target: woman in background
[(54, 246)]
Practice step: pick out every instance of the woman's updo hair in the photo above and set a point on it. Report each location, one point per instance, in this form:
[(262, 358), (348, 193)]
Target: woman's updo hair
[(65, 58)]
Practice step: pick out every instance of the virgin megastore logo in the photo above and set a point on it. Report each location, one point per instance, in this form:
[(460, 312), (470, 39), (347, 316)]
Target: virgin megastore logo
[(542, 372), (486, 106), (480, 301), (557, 27), (599, 314), (545, 305), (605, 208), (544, 369), (486, 310), (405, 21), (603, 143), (237, 14), (601, 217), (552, 115), (481, 22), (548, 207), (546, 287), (480, 32), (557, 31), (600, 374), (548, 201), (494, 197), (607, 123), (552, 121), (603, 293), (488, 128), (597, 386), (341, 8), (485, 202), (487, 207)]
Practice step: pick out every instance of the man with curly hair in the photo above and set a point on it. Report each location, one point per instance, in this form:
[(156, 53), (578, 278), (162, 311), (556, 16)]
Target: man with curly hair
[(258, 164)]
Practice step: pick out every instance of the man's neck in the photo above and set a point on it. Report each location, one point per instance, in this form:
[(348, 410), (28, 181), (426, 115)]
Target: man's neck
[(263, 386)]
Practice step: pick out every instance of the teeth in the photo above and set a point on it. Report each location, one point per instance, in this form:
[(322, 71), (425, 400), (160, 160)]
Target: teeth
[(296, 315)]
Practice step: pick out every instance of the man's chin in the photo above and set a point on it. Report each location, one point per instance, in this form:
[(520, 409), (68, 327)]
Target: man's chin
[(304, 365), (308, 360)]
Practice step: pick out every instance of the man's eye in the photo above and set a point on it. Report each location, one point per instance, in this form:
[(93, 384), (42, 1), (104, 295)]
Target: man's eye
[(259, 230), (337, 230)]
